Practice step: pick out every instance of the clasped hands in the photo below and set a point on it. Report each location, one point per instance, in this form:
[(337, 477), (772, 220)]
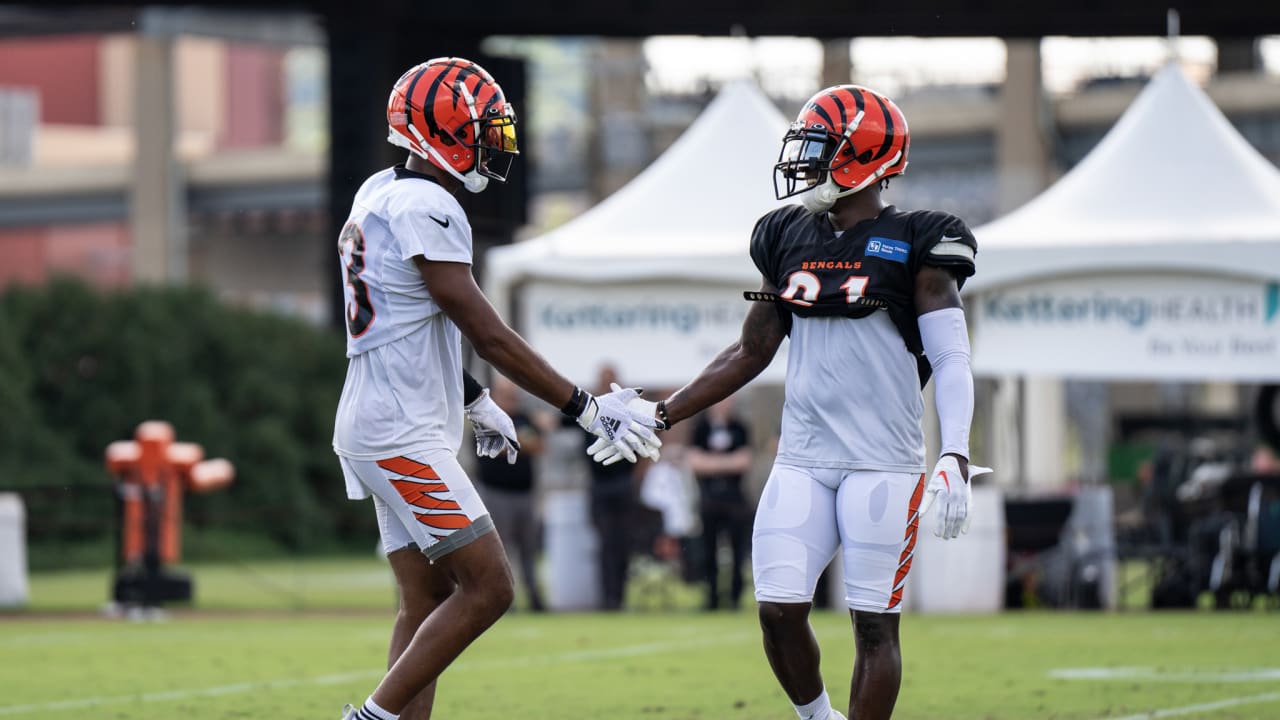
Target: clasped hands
[(623, 423)]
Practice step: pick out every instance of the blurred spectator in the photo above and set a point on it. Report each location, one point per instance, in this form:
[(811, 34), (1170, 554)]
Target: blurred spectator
[(667, 488), (612, 513), (720, 457), (1263, 461), (508, 488)]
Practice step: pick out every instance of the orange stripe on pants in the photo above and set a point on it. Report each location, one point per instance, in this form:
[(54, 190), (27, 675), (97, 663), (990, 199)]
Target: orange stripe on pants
[(449, 521), (909, 543), (408, 468), (414, 492)]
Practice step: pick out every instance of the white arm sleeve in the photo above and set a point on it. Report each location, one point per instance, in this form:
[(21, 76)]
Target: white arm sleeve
[(946, 344)]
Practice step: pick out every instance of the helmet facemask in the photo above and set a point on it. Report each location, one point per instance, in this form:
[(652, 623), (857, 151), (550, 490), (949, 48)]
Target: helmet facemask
[(805, 167), (495, 145), (804, 161)]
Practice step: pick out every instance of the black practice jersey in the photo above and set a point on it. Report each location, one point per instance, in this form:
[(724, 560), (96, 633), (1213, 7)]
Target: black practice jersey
[(868, 268)]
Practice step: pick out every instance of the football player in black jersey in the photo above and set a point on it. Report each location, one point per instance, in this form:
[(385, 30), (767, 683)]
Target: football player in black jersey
[(870, 297)]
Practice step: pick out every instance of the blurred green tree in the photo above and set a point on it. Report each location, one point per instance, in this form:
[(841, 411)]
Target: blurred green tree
[(80, 368)]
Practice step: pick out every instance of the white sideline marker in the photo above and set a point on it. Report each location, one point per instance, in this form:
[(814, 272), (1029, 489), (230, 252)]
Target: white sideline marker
[(1150, 674), (1201, 707)]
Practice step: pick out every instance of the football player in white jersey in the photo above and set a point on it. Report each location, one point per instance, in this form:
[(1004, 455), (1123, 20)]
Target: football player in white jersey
[(410, 298), (870, 297)]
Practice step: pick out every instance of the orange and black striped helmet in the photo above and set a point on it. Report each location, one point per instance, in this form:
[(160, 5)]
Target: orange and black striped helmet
[(452, 113), (845, 138)]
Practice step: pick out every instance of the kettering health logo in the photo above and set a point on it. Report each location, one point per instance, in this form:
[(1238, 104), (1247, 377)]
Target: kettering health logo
[(686, 318), (1136, 311)]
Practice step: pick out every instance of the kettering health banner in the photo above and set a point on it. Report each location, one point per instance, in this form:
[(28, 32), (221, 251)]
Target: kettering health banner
[(656, 334), (1165, 327)]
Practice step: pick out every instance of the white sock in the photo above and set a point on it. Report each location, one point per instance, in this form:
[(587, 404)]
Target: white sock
[(372, 711), (819, 709)]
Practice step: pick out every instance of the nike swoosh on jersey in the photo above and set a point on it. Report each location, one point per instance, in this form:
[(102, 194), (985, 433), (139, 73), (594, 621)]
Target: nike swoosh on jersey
[(442, 223), (945, 238)]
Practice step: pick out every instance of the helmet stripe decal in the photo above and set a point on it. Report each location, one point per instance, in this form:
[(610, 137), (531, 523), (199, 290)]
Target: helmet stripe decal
[(858, 101), (822, 112), (860, 105), (844, 120), (453, 87), (429, 114), (408, 96), (464, 72), (888, 129), (493, 100)]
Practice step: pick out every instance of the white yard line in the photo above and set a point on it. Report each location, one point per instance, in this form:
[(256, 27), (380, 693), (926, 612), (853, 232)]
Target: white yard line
[(656, 648), (238, 688), (184, 694), (1151, 674), (1201, 707)]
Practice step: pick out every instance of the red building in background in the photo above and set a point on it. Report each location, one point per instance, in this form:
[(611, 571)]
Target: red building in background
[(67, 210)]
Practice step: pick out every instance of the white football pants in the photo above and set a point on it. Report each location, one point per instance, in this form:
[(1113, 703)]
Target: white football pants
[(806, 514)]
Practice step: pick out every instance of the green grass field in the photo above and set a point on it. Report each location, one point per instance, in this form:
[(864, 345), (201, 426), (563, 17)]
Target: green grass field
[(297, 640)]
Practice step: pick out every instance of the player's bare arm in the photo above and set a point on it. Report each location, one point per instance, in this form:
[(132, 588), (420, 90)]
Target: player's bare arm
[(736, 365), (936, 288), (454, 288)]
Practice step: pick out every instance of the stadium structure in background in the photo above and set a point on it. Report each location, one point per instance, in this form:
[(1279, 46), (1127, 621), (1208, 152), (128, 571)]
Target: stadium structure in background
[(384, 36)]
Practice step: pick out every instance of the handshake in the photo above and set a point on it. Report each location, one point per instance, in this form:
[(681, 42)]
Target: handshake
[(622, 422)]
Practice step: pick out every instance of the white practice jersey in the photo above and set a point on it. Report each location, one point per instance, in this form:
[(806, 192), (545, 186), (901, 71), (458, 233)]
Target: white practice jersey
[(403, 391), (852, 397)]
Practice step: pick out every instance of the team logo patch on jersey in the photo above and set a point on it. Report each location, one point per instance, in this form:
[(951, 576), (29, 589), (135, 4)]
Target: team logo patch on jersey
[(889, 249)]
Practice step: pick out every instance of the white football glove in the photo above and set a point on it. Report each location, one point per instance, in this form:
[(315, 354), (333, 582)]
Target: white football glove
[(622, 422), (493, 428), (949, 487)]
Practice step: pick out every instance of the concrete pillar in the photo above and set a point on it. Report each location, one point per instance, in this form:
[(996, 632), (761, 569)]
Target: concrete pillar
[(620, 146), (837, 64), (158, 204), (1004, 444), (1044, 411), (1088, 407), (1023, 165), (1023, 152)]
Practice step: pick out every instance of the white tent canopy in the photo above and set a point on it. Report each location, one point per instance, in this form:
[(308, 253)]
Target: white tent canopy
[(1172, 186), (1156, 257), (651, 278)]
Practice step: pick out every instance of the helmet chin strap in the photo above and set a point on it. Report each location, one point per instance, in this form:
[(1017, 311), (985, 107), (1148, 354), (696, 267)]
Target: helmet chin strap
[(473, 181), (821, 198)]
